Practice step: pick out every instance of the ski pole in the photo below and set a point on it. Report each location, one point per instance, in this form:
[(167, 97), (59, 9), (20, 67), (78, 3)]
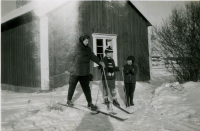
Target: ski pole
[(59, 74), (97, 97), (106, 84), (123, 77)]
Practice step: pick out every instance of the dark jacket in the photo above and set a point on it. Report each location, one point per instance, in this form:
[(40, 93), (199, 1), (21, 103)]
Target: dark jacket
[(109, 70), (130, 72), (80, 57)]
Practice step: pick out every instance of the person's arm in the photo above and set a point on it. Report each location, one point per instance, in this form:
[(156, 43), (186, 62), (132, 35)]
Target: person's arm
[(133, 70), (115, 67), (95, 59), (126, 69)]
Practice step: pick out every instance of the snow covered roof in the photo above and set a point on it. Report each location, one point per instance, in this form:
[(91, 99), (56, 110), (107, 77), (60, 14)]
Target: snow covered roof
[(39, 10), (20, 11), (36, 6)]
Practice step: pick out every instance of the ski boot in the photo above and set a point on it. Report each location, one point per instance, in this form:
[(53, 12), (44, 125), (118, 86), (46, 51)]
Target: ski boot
[(69, 103), (131, 103), (116, 103), (106, 101), (92, 107)]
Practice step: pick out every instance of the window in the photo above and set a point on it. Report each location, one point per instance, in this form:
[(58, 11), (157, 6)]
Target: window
[(101, 42)]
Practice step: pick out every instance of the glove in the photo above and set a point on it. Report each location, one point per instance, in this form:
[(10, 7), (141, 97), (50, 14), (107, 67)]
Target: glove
[(109, 74)]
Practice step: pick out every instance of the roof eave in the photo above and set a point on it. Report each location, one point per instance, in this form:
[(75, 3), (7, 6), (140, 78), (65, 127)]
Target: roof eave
[(143, 12), (36, 7)]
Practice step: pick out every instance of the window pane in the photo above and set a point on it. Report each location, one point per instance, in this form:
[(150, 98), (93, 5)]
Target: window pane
[(108, 42), (99, 42), (99, 49), (100, 56)]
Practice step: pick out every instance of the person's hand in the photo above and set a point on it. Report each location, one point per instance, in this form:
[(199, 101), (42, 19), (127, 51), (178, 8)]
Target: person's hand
[(122, 68), (109, 74), (102, 64)]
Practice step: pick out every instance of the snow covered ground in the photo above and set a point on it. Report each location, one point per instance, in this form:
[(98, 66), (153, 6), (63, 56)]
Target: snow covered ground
[(160, 105)]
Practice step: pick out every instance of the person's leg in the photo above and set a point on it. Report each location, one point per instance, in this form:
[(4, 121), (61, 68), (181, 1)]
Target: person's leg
[(111, 86), (127, 97), (113, 92), (132, 90), (73, 80), (84, 81)]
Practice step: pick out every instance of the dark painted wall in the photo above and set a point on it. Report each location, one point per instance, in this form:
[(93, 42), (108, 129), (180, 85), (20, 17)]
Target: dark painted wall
[(20, 50), (121, 18), (20, 60)]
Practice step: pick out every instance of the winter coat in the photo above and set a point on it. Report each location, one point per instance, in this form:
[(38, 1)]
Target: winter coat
[(109, 70), (80, 57), (130, 72)]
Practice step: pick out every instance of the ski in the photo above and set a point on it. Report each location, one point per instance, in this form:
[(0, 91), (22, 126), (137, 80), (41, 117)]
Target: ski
[(69, 106), (75, 107), (97, 111), (122, 109), (111, 114)]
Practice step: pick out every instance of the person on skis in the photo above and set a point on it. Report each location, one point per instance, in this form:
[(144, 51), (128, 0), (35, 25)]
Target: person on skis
[(130, 72), (80, 69), (110, 70)]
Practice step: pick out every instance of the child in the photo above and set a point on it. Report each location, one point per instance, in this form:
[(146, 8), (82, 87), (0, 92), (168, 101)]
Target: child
[(130, 71), (110, 77)]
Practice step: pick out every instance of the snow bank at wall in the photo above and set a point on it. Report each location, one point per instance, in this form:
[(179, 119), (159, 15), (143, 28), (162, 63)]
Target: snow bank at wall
[(176, 100)]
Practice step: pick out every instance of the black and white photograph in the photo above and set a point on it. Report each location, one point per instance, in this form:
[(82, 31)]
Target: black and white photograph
[(104, 65)]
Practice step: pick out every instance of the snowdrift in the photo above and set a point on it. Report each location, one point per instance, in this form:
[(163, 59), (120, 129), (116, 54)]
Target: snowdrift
[(178, 101)]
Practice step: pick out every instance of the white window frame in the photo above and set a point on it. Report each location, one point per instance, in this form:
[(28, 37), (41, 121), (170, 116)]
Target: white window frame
[(112, 37)]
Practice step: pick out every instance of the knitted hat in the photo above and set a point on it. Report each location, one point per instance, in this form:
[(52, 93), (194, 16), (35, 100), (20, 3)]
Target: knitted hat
[(108, 50), (131, 58)]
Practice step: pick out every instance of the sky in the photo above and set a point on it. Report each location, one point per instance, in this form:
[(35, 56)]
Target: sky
[(7, 6), (160, 10), (157, 9)]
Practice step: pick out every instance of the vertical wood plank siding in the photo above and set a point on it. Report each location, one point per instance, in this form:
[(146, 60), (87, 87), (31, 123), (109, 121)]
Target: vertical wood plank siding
[(19, 53), (117, 17)]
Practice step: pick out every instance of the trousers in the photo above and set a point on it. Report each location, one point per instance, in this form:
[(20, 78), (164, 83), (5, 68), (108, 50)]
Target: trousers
[(84, 82), (129, 92), (111, 87)]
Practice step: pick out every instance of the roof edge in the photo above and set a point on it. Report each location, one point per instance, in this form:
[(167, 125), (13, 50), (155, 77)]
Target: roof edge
[(36, 7), (143, 11), (20, 11)]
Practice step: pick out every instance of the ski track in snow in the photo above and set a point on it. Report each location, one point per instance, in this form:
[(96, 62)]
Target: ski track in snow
[(166, 107)]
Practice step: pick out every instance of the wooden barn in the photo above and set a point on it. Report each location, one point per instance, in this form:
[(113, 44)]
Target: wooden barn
[(36, 41)]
